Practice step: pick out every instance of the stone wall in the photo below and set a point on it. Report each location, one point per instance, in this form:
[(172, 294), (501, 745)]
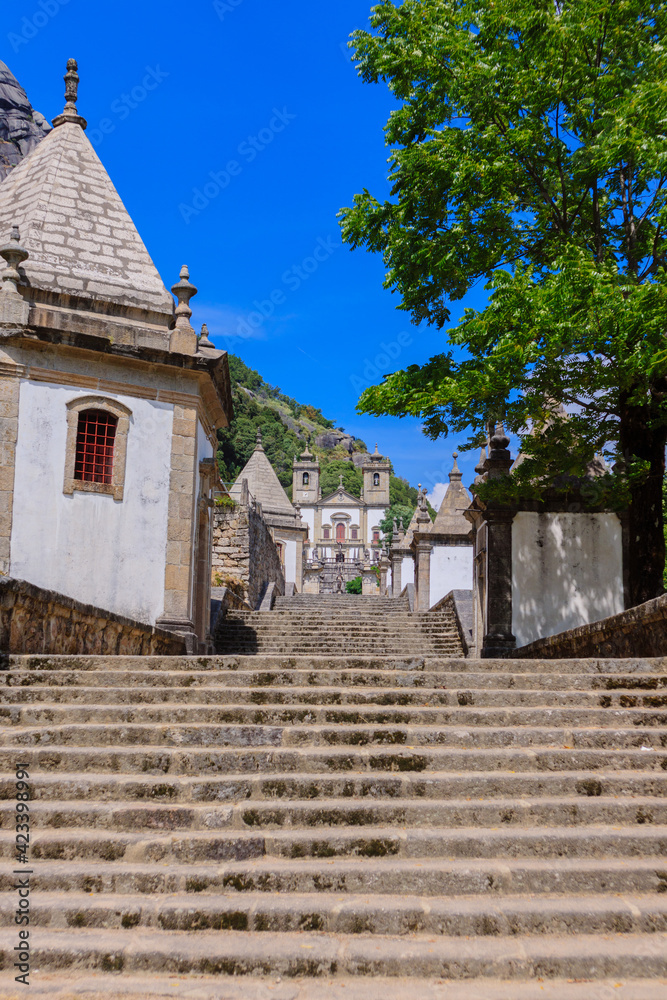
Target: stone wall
[(640, 631), (244, 550), (33, 620)]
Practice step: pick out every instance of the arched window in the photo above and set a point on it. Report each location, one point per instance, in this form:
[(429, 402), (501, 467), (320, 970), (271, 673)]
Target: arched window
[(376, 479), (354, 534), (95, 438), (306, 479), (376, 535), (325, 533), (340, 532), (96, 448)]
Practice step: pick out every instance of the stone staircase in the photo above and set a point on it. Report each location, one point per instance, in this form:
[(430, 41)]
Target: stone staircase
[(441, 819), (339, 625)]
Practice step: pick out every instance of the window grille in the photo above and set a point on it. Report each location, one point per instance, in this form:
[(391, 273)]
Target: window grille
[(96, 434)]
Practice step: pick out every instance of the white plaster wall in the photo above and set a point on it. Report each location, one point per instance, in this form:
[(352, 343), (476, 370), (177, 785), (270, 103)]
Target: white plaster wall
[(451, 569), (308, 515), (290, 546), (567, 570), (90, 547), (407, 571)]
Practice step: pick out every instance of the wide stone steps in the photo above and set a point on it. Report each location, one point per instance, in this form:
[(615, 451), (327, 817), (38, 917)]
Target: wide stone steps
[(339, 625), (328, 816)]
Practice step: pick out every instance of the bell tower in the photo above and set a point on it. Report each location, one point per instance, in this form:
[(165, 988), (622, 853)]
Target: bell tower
[(305, 479), (376, 471)]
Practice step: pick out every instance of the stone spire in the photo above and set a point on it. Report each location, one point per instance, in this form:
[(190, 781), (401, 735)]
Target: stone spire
[(14, 309), (183, 338), (70, 114), (449, 519), (259, 446)]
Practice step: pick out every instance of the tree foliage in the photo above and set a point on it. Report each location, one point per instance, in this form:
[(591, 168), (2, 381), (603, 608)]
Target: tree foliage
[(529, 150)]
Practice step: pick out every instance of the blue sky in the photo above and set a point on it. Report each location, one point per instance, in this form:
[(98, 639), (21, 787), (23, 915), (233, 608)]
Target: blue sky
[(234, 132)]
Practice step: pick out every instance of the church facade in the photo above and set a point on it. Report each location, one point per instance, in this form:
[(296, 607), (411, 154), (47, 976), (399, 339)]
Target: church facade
[(341, 522)]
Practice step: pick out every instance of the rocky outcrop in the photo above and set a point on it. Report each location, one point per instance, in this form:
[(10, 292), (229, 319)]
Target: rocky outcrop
[(21, 127), (332, 439)]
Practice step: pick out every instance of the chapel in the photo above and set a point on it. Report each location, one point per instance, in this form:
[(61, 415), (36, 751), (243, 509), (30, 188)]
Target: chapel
[(109, 401)]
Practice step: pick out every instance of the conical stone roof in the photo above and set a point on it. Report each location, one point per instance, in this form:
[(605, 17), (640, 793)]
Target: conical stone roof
[(263, 483), (77, 230), (450, 519)]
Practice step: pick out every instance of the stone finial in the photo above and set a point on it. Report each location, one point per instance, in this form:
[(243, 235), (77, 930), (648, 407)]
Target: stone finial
[(70, 114), (455, 476), (258, 446), (184, 290), (204, 340), (340, 481), (183, 337), (395, 525), (14, 310), (499, 441), (499, 461), (14, 254)]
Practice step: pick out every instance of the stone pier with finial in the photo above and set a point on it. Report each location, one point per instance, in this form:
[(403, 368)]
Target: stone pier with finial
[(442, 550), (541, 566)]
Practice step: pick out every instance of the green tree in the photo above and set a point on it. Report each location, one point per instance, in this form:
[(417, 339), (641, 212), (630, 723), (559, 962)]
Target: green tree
[(330, 477), (402, 513), (529, 149)]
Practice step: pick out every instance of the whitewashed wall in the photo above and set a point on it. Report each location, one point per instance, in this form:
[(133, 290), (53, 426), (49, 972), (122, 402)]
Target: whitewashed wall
[(451, 569), (87, 546), (407, 571), (567, 570), (290, 547)]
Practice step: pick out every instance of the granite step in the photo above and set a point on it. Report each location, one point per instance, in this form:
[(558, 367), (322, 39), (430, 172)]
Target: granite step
[(371, 842), (251, 759), (238, 953), (288, 734), (562, 810), (323, 714), (399, 915), (490, 878), (521, 788), (366, 697)]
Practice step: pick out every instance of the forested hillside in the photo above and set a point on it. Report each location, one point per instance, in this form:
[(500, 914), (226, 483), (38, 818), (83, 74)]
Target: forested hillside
[(287, 426)]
